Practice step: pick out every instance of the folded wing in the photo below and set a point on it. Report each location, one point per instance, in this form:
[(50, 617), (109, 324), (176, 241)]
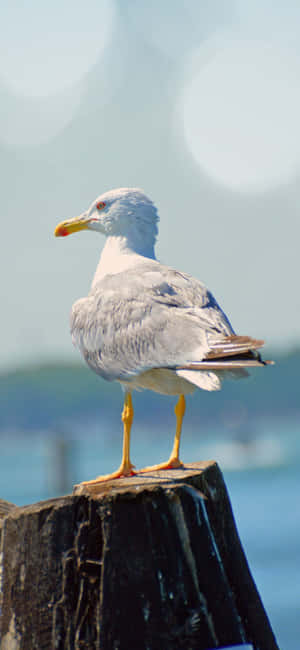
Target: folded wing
[(154, 317)]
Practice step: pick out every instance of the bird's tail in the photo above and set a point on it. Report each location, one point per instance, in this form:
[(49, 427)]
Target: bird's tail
[(228, 356)]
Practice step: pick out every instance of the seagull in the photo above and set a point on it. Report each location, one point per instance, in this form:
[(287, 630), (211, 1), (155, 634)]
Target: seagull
[(146, 325)]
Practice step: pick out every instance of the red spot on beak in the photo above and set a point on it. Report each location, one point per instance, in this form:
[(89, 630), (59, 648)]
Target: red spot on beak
[(62, 232)]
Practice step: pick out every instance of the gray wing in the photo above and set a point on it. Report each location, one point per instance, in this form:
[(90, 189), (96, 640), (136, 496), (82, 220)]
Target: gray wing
[(147, 317)]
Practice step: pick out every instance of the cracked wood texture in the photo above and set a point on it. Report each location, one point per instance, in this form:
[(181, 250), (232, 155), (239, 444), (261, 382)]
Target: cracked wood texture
[(151, 562)]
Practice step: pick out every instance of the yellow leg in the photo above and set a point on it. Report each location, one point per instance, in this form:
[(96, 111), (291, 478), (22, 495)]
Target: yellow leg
[(126, 468), (174, 461)]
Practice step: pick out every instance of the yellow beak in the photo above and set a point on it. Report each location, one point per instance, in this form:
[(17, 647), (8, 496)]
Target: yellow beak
[(71, 225)]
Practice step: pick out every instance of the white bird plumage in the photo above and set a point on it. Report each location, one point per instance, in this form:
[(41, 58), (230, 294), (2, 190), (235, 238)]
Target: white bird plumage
[(147, 325)]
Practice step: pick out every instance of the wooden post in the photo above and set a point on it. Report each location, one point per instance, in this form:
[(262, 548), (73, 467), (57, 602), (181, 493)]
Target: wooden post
[(151, 562)]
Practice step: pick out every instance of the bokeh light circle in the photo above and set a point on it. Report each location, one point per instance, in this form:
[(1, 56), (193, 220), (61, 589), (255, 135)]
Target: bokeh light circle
[(241, 115), (47, 47)]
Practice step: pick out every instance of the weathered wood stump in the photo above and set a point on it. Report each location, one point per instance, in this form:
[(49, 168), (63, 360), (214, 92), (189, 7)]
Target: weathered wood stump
[(152, 562)]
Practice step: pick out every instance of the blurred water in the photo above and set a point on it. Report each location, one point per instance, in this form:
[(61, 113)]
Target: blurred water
[(262, 474)]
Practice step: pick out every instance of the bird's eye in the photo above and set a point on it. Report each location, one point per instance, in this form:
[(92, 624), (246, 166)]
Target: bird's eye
[(100, 205)]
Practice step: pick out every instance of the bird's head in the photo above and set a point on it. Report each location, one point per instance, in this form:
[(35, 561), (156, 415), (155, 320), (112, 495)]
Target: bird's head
[(124, 212)]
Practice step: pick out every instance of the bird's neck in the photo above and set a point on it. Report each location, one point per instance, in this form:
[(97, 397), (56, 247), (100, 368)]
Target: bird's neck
[(119, 254)]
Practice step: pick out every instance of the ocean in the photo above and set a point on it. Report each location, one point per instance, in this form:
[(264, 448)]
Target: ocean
[(60, 425)]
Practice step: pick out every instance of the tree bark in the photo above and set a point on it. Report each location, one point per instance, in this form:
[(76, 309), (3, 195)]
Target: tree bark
[(151, 562)]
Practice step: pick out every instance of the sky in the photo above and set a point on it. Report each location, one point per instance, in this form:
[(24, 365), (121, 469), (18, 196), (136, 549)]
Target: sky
[(198, 104)]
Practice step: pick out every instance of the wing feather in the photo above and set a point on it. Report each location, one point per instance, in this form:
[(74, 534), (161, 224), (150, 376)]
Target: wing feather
[(152, 316)]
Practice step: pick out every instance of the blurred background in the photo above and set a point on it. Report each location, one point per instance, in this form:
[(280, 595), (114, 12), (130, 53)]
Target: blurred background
[(198, 104)]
